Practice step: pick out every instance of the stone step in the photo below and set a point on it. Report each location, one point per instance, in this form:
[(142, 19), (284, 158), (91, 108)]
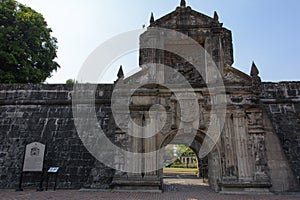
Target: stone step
[(136, 185)]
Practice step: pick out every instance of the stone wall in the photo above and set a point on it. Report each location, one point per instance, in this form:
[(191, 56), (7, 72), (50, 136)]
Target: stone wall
[(282, 105), (43, 113)]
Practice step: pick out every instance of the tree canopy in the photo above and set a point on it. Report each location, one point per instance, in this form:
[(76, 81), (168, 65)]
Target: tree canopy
[(27, 49), (71, 81), (183, 150)]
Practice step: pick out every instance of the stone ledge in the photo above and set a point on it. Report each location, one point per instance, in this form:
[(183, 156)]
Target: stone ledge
[(136, 185), (138, 190), (245, 187), (52, 102)]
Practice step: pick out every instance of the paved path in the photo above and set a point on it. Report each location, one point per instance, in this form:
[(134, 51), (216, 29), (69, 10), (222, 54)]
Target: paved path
[(174, 189), (202, 193), (172, 195)]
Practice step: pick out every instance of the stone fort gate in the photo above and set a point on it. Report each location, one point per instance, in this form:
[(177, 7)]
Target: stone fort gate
[(238, 158), (249, 151), (236, 148)]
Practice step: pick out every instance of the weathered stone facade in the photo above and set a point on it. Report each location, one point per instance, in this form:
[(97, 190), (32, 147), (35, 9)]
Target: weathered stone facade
[(43, 113), (258, 150), (282, 106)]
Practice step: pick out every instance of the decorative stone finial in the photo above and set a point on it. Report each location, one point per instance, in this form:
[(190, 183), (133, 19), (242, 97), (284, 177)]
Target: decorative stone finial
[(120, 73), (151, 18), (216, 16), (254, 74), (182, 3), (254, 70)]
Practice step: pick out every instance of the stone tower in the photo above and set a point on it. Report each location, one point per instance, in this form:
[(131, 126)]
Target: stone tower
[(207, 31)]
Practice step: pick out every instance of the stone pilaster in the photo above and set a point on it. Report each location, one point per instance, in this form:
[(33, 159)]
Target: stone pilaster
[(173, 112), (257, 144), (228, 140), (244, 161), (150, 148)]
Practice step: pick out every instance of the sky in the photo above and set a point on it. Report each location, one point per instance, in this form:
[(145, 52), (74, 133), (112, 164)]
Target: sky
[(264, 31)]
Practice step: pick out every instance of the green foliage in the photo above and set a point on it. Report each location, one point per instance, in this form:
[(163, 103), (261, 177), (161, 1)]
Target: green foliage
[(71, 81), (177, 161), (183, 150), (27, 50)]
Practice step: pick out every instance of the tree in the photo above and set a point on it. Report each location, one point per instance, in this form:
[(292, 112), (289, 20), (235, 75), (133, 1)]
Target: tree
[(71, 81), (27, 50), (183, 150)]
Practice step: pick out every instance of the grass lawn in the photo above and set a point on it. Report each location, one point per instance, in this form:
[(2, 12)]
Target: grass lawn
[(180, 170)]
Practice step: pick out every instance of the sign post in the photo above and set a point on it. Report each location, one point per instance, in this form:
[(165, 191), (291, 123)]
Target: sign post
[(33, 162), (52, 170)]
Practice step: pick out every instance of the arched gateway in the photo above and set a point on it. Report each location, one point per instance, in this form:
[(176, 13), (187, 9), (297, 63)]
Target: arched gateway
[(237, 154), (187, 92)]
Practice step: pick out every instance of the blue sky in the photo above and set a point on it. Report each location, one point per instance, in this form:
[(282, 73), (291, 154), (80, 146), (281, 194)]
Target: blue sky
[(264, 31)]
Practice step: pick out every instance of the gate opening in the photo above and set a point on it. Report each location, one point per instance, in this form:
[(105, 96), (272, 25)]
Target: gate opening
[(183, 168)]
